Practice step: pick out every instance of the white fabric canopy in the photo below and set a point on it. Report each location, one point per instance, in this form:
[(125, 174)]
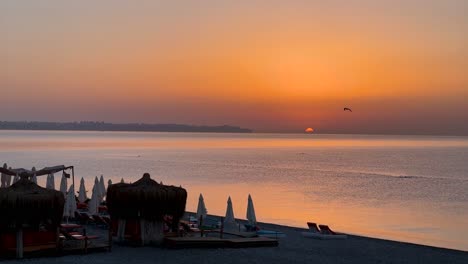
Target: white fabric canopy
[(251, 212), (201, 209), (82, 192), (102, 186), (48, 182), (8, 179), (34, 178), (98, 189), (229, 220), (70, 203), (94, 202), (52, 181), (16, 179), (63, 184), (3, 178)]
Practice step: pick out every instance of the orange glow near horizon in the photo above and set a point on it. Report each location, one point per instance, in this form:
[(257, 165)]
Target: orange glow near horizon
[(297, 62)]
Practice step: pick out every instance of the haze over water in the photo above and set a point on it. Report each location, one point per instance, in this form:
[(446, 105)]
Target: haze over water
[(406, 188)]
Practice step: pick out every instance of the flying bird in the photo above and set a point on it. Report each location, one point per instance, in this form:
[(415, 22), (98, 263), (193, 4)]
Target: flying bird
[(347, 109)]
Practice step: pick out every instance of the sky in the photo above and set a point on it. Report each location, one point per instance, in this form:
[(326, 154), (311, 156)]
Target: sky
[(272, 66)]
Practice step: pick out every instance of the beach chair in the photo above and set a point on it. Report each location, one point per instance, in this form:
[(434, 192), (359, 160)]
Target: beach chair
[(323, 232), (76, 236), (100, 221), (324, 229), (82, 218), (313, 227)]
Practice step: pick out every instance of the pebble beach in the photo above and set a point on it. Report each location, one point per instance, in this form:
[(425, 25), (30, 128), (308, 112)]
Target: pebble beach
[(292, 249)]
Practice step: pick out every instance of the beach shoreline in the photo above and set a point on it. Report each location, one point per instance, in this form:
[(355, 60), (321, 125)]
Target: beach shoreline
[(292, 249)]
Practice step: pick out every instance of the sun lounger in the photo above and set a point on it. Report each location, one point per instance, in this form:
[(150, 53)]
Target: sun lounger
[(83, 218), (76, 236), (100, 221), (313, 227), (324, 232)]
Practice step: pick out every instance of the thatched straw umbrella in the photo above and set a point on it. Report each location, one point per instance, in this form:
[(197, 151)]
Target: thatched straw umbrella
[(27, 204), (147, 201)]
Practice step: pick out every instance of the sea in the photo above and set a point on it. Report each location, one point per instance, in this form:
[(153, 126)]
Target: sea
[(404, 188)]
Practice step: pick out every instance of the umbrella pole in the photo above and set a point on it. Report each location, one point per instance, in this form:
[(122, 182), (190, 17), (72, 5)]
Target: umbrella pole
[(19, 243), (200, 225)]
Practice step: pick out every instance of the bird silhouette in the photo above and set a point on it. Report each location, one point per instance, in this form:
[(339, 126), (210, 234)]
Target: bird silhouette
[(347, 109)]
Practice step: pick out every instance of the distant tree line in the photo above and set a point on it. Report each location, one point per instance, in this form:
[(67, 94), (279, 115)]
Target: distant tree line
[(102, 126)]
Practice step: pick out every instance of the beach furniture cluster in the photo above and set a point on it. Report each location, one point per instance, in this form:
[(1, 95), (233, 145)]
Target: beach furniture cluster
[(36, 219), (42, 219)]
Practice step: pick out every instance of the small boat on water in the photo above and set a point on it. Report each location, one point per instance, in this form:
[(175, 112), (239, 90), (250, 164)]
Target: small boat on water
[(324, 232)]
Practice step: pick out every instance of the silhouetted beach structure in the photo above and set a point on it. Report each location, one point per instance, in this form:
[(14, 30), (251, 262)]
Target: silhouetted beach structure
[(139, 210), (347, 109), (31, 214)]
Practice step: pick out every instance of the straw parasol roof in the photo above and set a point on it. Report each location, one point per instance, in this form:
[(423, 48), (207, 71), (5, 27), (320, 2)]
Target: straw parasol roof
[(27, 203), (145, 199)]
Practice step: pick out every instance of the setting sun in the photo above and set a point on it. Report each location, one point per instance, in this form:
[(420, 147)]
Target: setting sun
[(309, 130)]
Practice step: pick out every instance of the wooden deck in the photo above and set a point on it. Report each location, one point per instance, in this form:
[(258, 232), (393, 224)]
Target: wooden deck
[(214, 242)]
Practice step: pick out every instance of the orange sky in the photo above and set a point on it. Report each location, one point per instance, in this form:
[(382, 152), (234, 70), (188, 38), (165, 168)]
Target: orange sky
[(266, 65)]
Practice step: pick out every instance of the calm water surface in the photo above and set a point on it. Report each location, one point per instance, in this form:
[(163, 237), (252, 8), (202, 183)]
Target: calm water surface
[(407, 188)]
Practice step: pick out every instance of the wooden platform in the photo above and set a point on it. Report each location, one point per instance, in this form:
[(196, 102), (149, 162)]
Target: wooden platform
[(214, 242)]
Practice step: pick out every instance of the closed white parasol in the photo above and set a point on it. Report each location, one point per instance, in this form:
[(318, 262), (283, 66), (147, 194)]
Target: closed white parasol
[(63, 184), (82, 192), (251, 212), (102, 186), (201, 209), (70, 203), (229, 221), (94, 202)]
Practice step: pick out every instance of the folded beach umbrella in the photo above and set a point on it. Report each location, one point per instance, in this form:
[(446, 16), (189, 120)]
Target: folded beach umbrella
[(229, 220), (98, 189), (70, 203), (109, 183), (52, 181), (94, 202), (82, 192), (8, 179), (16, 179), (251, 212), (201, 209), (47, 185), (63, 184), (34, 178), (102, 186), (3, 178), (122, 181)]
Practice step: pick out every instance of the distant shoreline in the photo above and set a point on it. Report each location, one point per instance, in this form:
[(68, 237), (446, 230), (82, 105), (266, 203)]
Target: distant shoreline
[(129, 127)]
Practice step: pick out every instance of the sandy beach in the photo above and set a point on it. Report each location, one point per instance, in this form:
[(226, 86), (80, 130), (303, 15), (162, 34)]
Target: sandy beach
[(292, 249)]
